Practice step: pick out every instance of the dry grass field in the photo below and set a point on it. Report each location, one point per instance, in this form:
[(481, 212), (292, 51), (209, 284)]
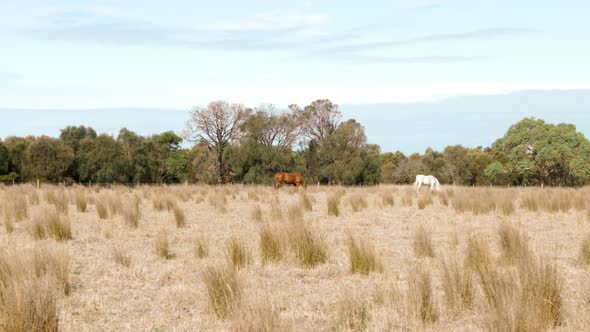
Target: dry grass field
[(189, 258)]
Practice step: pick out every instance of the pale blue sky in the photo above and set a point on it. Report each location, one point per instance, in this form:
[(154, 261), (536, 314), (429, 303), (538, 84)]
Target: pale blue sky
[(172, 55)]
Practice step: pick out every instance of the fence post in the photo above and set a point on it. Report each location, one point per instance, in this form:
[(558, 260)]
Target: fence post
[(37, 183), (318, 185)]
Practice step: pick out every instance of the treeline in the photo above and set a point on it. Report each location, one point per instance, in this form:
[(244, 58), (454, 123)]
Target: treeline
[(233, 143)]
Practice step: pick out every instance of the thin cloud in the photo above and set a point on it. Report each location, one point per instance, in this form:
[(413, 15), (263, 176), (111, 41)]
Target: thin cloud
[(484, 34), (302, 35), (10, 76)]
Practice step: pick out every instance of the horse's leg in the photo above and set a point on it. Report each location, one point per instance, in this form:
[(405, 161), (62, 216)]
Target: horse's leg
[(418, 185)]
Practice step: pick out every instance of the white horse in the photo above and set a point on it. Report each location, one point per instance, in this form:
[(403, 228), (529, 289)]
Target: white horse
[(427, 180)]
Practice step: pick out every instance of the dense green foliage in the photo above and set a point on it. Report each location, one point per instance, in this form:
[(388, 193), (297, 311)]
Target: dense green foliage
[(236, 144)]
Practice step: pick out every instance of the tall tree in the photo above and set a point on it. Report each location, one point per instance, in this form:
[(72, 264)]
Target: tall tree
[(321, 118), (538, 152), (216, 126), (4, 160), (269, 129), (17, 147), (102, 160), (47, 158), (71, 136)]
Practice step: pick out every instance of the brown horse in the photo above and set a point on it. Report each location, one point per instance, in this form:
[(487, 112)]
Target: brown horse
[(289, 178)]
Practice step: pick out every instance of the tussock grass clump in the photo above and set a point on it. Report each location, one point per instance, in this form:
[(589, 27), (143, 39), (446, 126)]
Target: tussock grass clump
[(55, 262), (31, 282), (478, 253), (333, 204), (408, 199), (162, 245), (59, 199), (131, 212), (218, 201), (420, 296), (238, 253), (357, 202), (585, 250), (275, 209), (352, 312), (115, 204), (306, 201), (310, 248), (271, 244), (457, 284), (505, 205), (121, 257), (16, 207), (81, 203), (200, 247), (259, 315), (387, 198), (513, 243), (102, 207), (422, 243), (179, 217), (46, 222), (294, 213), (362, 256), (29, 305), (542, 298), (530, 202), (444, 199), (424, 201), (532, 302), (224, 289), (8, 225), (257, 213)]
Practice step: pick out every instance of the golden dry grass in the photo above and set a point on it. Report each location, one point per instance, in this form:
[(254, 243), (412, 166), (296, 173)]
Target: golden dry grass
[(422, 243), (512, 259), (585, 251), (362, 256), (200, 247), (272, 244), (31, 283), (238, 254), (224, 289), (352, 311)]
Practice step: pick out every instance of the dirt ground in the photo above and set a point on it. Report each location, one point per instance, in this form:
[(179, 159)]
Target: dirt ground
[(157, 294)]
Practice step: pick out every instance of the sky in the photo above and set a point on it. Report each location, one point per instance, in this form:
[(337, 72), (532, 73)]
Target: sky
[(427, 63)]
